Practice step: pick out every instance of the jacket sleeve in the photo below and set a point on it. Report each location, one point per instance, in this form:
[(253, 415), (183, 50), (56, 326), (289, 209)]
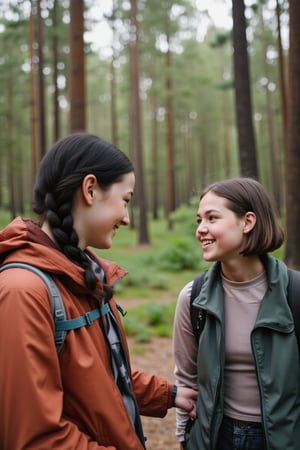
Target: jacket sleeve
[(185, 353), (153, 394), (31, 388)]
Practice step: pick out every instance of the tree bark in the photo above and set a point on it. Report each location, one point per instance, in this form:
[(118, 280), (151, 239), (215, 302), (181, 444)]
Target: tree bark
[(243, 103), (56, 125), (41, 84), (292, 250), (33, 101), (170, 197), (140, 178), (282, 77), (77, 119)]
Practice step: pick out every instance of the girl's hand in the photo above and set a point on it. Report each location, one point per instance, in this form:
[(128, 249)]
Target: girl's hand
[(186, 399)]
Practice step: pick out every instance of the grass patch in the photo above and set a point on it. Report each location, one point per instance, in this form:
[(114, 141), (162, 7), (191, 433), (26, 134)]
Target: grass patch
[(147, 320)]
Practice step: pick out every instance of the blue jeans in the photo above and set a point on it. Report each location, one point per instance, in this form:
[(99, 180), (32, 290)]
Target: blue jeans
[(237, 435)]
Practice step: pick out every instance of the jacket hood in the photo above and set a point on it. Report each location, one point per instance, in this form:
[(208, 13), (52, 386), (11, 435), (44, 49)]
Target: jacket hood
[(24, 241)]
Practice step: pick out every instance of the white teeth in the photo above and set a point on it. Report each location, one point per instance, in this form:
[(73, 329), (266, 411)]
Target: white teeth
[(207, 242)]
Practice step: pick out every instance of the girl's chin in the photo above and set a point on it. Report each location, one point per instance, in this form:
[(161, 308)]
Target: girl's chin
[(208, 258), (105, 245)]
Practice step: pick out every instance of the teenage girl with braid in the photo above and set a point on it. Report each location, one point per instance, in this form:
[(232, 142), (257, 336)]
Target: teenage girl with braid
[(75, 399)]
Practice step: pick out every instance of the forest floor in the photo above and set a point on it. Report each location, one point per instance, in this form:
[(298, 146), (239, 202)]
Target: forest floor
[(157, 359)]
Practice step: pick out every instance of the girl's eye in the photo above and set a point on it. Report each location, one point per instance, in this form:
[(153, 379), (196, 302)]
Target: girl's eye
[(198, 220)]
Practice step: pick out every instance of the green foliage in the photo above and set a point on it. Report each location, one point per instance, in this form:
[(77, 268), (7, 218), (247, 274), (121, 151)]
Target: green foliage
[(146, 320), (5, 218), (182, 252), (152, 275), (184, 218), (180, 255)]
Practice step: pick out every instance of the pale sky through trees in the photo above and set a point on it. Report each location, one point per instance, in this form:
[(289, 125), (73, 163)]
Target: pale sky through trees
[(218, 10)]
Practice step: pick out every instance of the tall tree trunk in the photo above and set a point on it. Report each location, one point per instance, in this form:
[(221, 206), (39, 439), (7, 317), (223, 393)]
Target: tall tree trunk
[(41, 89), (140, 178), (113, 95), (170, 182), (226, 122), (282, 81), (10, 149), (275, 178), (246, 138), (154, 154), (292, 250), (56, 125), (77, 119), (33, 100)]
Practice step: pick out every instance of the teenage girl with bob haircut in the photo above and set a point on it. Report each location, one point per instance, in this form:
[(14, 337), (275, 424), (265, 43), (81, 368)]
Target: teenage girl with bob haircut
[(246, 367), (85, 397)]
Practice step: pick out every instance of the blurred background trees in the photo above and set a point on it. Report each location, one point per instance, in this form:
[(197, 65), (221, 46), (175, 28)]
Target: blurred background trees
[(189, 98)]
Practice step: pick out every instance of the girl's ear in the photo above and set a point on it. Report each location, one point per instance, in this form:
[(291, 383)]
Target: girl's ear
[(249, 221), (88, 186)]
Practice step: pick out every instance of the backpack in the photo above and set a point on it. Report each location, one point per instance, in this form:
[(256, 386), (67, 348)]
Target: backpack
[(293, 295), (62, 324)]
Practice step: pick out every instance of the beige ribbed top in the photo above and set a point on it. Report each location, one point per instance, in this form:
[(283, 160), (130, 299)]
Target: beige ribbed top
[(242, 301)]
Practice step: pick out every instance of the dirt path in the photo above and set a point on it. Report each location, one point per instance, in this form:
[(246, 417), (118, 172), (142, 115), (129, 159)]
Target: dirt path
[(157, 359)]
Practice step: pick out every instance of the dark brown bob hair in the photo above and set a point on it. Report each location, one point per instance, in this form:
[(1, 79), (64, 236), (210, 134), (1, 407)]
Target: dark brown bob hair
[(244, 195)]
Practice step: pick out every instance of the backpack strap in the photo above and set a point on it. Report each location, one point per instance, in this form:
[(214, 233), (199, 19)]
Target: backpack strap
[(293, 297), (62, 324), (198, 315), (58, 308)]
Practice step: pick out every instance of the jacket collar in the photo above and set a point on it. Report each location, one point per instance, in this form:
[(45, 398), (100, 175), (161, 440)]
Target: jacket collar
[(273, 312)]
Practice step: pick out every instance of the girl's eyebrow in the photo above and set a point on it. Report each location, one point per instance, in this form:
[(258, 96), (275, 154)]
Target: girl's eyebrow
[(209, 211)]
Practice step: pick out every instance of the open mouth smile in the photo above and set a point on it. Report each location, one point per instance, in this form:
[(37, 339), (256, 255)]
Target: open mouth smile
[(207, 242)]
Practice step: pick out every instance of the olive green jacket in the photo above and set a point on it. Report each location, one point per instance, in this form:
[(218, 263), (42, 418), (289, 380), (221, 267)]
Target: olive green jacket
[(276, 357)]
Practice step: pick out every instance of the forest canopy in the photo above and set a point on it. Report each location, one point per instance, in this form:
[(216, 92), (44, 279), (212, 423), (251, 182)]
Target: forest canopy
[(190, 95)]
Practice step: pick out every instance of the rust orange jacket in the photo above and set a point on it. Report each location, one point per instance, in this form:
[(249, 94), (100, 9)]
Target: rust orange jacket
[(68, 401)]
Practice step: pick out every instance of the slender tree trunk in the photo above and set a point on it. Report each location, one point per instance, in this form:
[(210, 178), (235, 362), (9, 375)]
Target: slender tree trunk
[(154, 154), (10, 149), (275, 179), (33, 100), (246, 138), (56, 125), (282, 77), (77, 119), (170, 197), (114, 114), (41, 89), (292, 250), (140, 178), (227, 146)]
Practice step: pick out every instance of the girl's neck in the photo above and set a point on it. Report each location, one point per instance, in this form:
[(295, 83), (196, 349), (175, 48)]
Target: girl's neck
[(245, 269), (47, 230)]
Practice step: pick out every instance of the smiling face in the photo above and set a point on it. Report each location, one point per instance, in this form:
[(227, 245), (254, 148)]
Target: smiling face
[(99, 213), (220, 232)]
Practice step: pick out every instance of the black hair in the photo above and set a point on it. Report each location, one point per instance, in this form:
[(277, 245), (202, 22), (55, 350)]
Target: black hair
[(61, 172)]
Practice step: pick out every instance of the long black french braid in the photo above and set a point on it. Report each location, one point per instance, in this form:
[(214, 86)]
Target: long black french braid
[(60, 220)]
